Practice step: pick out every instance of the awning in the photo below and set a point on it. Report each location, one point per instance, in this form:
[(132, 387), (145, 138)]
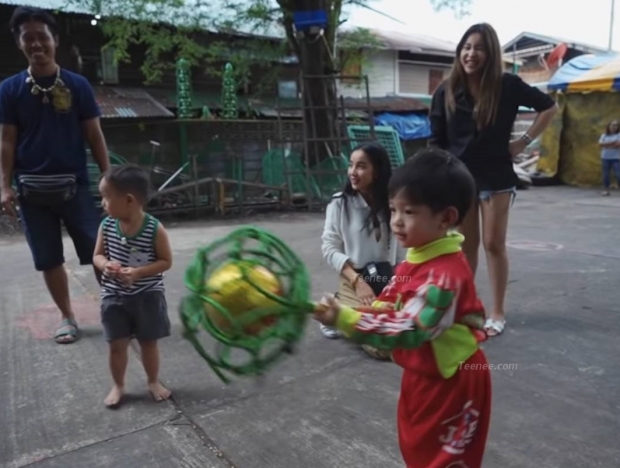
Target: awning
[(127, 103), (408, 126), (588, 73)]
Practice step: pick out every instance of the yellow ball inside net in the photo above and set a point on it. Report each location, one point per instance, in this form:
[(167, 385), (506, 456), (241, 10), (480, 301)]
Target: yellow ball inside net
[(250, 292)]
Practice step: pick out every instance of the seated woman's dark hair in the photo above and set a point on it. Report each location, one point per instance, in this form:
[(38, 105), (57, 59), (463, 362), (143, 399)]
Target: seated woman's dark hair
[(382, 169), (435, 178)]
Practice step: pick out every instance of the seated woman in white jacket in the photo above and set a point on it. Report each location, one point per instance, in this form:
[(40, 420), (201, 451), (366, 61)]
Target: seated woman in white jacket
[(357, 241)]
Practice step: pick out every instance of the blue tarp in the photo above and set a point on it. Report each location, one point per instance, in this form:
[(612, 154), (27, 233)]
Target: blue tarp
[(408, 126)]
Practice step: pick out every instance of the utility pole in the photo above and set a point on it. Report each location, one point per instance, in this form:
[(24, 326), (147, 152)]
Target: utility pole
[(611, 24)]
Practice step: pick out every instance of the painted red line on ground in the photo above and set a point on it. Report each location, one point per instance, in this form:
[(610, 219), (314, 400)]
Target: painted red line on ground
[(42, 321)]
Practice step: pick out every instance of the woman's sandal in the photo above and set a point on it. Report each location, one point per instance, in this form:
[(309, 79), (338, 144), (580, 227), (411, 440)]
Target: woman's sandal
[(496, 325)]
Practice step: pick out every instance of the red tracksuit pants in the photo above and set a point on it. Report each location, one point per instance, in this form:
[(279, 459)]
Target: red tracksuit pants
[(443, 423)]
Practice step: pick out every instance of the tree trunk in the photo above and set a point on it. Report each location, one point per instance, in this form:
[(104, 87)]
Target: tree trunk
[(319, 100), (318, 87)]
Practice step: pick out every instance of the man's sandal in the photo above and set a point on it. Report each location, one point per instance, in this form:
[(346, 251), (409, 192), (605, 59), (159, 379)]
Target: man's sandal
[(67, 332), (496, 325)]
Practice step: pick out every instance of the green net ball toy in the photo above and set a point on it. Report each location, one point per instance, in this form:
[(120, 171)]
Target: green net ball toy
[(250, 292)]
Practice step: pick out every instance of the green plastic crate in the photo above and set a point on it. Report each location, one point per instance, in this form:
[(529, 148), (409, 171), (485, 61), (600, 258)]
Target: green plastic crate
[(386, 136)]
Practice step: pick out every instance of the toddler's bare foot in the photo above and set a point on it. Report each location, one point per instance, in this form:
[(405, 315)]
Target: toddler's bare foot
[(159, 392), (114, 397)]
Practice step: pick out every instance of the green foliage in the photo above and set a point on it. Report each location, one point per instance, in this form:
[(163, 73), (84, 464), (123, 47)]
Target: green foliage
[(260, 17), (355, 47), (130, 23), (167, 30), (459, 7)]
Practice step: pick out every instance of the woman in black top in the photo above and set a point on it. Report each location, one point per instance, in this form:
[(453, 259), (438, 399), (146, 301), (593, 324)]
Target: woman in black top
[(472, 116)]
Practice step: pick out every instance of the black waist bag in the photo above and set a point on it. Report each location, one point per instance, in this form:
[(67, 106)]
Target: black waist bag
[(46, 190), (377, 275)]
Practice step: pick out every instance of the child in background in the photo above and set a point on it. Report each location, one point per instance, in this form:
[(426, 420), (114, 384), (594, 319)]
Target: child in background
[(430, 317), (133, 252)]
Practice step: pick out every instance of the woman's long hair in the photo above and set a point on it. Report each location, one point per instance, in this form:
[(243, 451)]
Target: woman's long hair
[(608, 128), (379, 199), (485, 109)]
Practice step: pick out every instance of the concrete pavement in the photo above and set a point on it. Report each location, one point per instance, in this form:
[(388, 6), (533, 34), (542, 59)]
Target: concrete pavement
[(328, 405)]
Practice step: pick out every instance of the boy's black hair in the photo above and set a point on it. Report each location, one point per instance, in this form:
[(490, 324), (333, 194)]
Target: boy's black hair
[(435, 178), (23, 15), (131, 179)]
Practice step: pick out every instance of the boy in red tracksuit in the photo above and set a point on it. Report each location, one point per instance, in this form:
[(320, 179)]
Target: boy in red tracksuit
[(431, 317)]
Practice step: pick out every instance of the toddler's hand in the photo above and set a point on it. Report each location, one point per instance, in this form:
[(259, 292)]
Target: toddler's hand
[(112, 268), (327, 310), (129, 275)]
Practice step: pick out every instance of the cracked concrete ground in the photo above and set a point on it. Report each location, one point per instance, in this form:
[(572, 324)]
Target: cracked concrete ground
[(328, 405)]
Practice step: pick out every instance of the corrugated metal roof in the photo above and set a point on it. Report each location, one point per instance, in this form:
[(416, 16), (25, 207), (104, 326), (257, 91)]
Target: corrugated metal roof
[(211, 99), (588, 48), (387, 104), (268, 106), (118, 102), (297, 113), (48, 5), (354, 107), (414, 43)]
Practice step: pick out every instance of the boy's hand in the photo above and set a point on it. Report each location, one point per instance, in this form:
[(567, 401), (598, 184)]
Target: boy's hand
[(129, 275), (365, 293), (327, 311), (112, 268)]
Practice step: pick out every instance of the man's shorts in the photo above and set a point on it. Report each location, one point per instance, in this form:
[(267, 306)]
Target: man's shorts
[(42, 226), (143, 316)]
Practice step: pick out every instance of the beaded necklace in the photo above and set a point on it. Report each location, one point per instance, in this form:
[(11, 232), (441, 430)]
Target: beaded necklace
[(36, 89)]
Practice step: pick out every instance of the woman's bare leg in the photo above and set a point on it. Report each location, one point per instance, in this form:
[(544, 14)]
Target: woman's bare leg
[(494, 229), (470, 228)]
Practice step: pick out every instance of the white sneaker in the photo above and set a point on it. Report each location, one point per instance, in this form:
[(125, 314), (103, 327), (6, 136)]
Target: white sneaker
[(329, 332)]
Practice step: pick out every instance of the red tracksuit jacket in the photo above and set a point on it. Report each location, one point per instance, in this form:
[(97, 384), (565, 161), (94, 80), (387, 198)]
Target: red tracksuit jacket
[(432, 319)]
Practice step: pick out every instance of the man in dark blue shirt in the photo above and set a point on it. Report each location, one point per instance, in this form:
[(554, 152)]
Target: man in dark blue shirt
[(47, 115)]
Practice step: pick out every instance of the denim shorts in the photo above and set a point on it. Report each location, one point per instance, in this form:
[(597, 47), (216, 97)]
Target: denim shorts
[(485, 195), (143, 316), (42, 226)]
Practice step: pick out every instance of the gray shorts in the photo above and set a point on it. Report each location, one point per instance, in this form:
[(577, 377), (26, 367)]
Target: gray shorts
[(143, 316)]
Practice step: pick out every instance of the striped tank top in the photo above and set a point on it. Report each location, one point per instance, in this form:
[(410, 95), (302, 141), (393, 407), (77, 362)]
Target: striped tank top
[(135, 251)]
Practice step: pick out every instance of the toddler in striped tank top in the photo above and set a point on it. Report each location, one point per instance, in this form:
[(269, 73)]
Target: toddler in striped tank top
[(133, 252)]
